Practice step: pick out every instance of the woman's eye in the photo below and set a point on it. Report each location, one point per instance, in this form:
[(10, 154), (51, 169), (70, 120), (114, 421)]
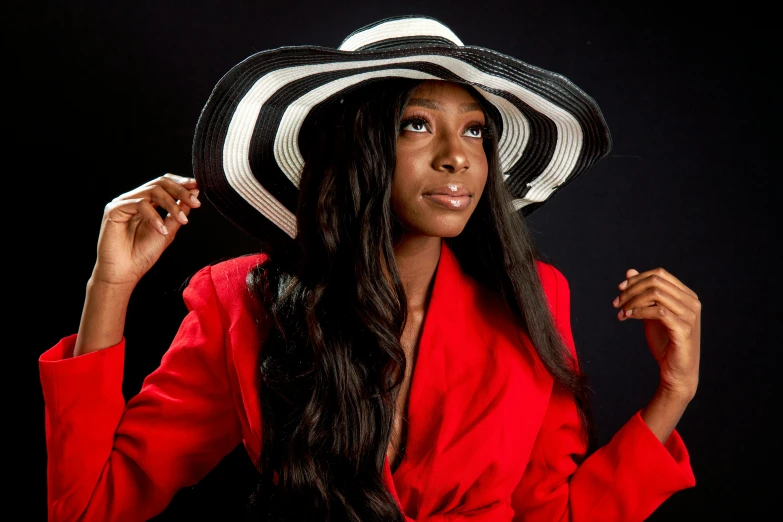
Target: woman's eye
[(415, 126), (474, 132)]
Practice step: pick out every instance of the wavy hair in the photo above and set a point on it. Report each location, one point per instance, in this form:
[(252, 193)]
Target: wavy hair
[(332, 363)]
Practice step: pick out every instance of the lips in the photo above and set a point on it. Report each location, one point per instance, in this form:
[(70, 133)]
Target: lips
[(451, 196), (450, 189)]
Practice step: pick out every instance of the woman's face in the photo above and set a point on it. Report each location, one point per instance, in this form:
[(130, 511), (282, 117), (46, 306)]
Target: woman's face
[(441, 166)]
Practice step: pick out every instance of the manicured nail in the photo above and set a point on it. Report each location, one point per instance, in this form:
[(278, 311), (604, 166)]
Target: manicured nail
[(164, 230), (195, 200), (628, 312), (616, 301), (623, 284), (183, 217)]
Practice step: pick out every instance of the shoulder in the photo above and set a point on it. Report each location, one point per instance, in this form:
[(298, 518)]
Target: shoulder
[(230, 276), (550, 275), (226, 279), (554, 283)]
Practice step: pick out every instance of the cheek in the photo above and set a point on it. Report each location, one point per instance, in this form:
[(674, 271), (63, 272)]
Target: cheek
[(402, 193), (405, 182), (482, 169)]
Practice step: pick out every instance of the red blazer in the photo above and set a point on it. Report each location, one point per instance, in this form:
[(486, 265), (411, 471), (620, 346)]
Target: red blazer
[(490, 438)]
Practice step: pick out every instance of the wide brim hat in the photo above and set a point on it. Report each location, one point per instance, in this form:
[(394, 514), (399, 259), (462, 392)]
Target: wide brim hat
[(247, 158)]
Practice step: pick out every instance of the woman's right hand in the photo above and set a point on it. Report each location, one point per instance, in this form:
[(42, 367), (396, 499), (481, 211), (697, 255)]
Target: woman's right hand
[(134, 235)]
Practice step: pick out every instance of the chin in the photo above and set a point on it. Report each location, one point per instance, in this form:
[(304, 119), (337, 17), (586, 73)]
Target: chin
[(438, 227)]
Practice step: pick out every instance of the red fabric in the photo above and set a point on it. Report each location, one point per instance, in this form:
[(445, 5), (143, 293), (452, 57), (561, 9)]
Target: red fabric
[(489, 438)]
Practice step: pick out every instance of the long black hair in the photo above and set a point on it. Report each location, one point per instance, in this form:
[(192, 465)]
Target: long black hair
[(331, 363)]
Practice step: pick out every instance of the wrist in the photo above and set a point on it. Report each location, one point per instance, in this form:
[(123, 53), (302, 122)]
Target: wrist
[(664, 411), (679, 396), (103, 317), (97, 284)]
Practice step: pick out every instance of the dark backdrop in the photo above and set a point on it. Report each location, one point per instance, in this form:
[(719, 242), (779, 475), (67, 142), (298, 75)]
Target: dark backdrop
[(105, 96)]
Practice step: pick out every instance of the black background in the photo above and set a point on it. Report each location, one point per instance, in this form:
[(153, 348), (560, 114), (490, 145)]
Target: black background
[(104, 96)]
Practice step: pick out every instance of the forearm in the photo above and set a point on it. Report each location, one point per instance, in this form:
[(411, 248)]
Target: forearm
[(103, 317), (664, 411)]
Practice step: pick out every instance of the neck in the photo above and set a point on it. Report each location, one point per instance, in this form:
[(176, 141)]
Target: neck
[(417, 258)]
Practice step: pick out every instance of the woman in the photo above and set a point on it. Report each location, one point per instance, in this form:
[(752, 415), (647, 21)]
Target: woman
[(398, 350)]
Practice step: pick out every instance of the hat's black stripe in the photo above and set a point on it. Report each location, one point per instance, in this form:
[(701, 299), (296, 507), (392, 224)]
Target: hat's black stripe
[(406, 41)]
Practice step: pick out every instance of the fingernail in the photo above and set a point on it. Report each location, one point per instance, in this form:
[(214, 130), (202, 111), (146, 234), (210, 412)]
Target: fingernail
[(623, 284), (195, 200), (183, 217), (628, 312), (616, 301), (164, 230)]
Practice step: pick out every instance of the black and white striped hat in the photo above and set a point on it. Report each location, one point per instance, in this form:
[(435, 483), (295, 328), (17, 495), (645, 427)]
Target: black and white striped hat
[(246, 154)]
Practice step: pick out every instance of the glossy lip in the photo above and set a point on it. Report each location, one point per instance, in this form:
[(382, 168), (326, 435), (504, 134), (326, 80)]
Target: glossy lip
[(449, 202), (449, 189)]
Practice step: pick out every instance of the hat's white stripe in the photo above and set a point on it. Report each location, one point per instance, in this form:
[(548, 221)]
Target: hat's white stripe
[(407, 27), (240, 131), (521, 202), (547, 182), (516, 131), (236, 164), (286, 148)]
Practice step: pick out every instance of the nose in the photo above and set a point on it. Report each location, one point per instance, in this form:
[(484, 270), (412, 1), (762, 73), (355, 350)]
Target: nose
[(450, 156)]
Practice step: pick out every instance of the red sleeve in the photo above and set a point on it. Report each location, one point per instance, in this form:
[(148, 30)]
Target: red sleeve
[(625, 480), (112, 461)]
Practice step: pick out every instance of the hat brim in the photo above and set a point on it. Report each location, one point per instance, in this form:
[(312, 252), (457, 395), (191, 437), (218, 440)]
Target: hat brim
[(246, 154)]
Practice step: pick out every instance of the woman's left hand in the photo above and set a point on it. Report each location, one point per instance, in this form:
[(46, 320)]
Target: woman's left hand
[(672, 324)]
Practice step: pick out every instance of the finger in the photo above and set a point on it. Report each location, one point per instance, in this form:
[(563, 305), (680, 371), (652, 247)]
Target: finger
[(181, 180), (160, 197), (181, 191), (163, 193), (185, 208), (123, 210), (194, 195), (656, 296), (174, 224), (666, 316), (178, 187), (630, 280), (176, 190), (649, 284)]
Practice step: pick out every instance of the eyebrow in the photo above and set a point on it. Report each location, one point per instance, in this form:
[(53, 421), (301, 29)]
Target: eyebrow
[(431, 104)]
